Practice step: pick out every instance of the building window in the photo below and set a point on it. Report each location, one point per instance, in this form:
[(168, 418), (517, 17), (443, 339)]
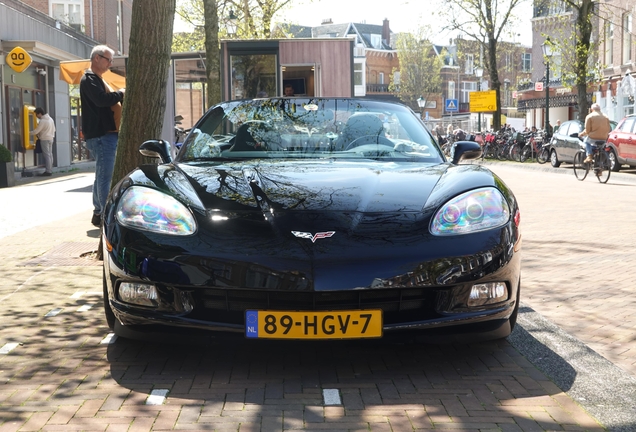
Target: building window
[(451, 90), (381, 78), (357, 74), (467, 88), (526, 62), (376, 41), (68, 12), (609, 43), (627, 38), (470, 64)]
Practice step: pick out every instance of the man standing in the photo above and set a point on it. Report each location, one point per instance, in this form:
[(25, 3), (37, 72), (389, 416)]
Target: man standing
[(101, 116), (597, 128), (45, 132)]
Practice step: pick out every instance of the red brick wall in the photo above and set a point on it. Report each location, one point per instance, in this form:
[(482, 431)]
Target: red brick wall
[(41, 5), (380, 63)]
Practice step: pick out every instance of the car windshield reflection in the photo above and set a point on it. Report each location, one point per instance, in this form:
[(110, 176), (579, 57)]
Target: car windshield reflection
[(297, 128)]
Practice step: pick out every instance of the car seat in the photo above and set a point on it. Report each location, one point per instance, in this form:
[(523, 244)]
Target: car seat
[(359, 125)]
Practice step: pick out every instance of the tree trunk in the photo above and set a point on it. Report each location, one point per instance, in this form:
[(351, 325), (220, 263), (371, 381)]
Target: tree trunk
[(582, 54), (212, 60), (146, 80), (494, 77)]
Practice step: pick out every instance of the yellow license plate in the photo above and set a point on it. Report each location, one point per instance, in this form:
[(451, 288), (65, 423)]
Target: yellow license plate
[(313, 325)]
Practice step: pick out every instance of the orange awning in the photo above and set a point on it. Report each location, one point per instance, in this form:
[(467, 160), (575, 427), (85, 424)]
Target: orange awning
[(72, 72)]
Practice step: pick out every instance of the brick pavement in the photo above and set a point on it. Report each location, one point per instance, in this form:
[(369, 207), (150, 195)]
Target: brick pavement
[(578, 266), (64, 377)]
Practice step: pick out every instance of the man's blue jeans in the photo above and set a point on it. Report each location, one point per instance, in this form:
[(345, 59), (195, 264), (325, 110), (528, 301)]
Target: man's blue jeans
[(590, 144), (103, 150)]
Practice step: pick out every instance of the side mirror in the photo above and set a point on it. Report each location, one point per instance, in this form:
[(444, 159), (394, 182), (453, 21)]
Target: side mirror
[(465, 150), (156, 149), (574, 135)]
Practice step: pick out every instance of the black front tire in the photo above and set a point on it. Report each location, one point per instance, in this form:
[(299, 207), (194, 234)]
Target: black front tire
[(603, 167), (554, 160), (515, 313), (543, 156), (613, 157), (108, 312)]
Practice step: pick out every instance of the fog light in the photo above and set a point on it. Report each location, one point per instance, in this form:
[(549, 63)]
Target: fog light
[(487, 293), (139, 294)]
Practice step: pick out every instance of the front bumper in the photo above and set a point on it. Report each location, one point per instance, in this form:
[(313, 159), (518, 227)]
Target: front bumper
[(430, 302)]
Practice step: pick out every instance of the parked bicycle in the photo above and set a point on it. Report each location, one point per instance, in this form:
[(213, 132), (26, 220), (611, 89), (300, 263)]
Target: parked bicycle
[(534, 148), (489, 146), (600, 165), (517, 141)]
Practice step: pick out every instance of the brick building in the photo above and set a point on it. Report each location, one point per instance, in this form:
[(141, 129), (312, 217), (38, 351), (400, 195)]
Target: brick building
[(375, 56), (613, 59)]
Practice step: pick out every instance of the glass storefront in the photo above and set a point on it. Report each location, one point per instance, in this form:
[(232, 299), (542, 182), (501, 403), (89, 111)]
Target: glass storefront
[(253, 76)]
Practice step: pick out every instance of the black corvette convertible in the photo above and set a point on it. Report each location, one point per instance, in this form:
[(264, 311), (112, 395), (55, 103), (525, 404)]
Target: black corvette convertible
[(312, 218)]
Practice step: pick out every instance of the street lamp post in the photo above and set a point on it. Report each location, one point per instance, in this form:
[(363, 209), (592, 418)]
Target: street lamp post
[(232, 26), (547, 53), (421, 102), (479, 72)]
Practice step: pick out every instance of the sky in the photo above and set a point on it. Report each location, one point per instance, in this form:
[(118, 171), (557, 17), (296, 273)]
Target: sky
[(403, 15)]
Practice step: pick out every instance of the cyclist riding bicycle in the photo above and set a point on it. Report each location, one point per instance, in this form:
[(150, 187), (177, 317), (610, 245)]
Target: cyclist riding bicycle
[(597, 128)]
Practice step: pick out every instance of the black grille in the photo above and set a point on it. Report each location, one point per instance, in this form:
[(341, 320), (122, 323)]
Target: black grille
[(398, 305)]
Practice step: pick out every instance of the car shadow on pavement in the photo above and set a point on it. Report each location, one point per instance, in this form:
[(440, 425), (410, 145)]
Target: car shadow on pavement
[(393, 380)]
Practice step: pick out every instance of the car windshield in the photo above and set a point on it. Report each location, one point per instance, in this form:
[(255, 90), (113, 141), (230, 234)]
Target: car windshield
[(292, 128)]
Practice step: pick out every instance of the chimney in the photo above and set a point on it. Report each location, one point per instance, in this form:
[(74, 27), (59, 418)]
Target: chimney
[(386, 32), (326, 21)]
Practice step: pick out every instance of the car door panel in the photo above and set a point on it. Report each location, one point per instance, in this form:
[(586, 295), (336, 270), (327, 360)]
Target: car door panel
[(573, 144), (627, 142)]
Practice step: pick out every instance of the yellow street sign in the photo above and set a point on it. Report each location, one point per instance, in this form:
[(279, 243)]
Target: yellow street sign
[(18, 59), (483, 101)]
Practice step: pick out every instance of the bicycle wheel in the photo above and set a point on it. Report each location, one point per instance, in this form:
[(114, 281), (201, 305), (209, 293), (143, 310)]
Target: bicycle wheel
[(525, 153), (484, 151), (501, 152), (602, 167), (543, 156), (580, 168), (513, 153)]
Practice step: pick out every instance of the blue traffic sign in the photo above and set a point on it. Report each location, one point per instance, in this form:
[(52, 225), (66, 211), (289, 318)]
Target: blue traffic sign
[(452, 105)]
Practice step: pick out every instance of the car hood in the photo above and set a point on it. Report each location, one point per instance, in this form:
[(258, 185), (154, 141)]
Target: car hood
[(330, 222), (275, 187)]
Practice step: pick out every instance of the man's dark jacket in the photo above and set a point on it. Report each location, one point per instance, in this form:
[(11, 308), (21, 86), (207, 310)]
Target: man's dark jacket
[(97, 116)]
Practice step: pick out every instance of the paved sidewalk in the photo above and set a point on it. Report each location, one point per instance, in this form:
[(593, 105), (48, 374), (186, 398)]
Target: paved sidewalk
[(579, 268)]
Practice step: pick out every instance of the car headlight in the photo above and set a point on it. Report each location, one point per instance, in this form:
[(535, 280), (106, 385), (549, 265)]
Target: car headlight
[(151, 210), (477, 210)]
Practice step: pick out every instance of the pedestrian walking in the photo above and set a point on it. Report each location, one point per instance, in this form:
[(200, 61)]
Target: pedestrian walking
[(101, 117), (45, 131)]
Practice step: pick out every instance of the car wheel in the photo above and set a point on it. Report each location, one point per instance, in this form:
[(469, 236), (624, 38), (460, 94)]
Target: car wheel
[(613, 157), (513, 317), (554, 160), (108, 312)]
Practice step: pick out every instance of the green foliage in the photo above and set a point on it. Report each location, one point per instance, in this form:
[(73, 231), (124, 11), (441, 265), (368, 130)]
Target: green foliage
[(486, 21), (189, 41), (253, 17), (5, 154), (571, 29), (419, 68)]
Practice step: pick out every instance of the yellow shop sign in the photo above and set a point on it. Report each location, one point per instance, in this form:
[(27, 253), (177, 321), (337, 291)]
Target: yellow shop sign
[(18, 59)]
